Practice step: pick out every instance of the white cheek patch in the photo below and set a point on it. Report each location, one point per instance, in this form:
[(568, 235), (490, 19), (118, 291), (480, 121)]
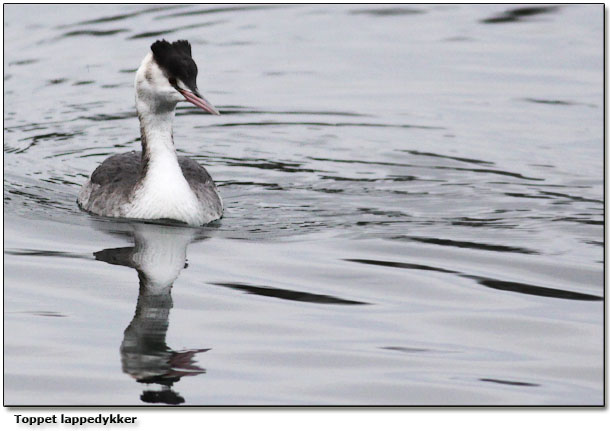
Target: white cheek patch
[(152, 84), (150, 74), (156, 77)]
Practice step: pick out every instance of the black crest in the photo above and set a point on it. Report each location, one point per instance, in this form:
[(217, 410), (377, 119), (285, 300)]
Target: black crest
[(176, 61)]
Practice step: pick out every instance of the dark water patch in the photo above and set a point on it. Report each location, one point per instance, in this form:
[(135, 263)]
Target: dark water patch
[(451, 168), (519, 14), (38, 199), (122, 256), (85, 106), (102, 154), (47, 253), (389, 11), (508, 382), (121, 17), (467, 244), (492, 171), (236, 43), (9, 149), (559, 186), (46, 313), (56, 81), (34, 126), (218, 10), (242, 110), (442, 156), (393, 178), (71, 152), (572, 197), (334, 178), (267, 164), (83, 83), (323, 124), (403, 178), (558, 102), (374, 211), (173, 30), (60, 181), (580, 220), (380, 223), (364, 162), (527, 289), (530, 289), (523, 195), (406, 349), (108, 117), (23, 62), (94, 32), (326, 190), (151, 34), (54, 136), (459, 39), (268, 186), (68, 183), (129, 71), (401, 265), (111, 18), (598, 243), (40, 313), (290, 295), (404, 192), (476, 222), (291, 72), (35, 140)]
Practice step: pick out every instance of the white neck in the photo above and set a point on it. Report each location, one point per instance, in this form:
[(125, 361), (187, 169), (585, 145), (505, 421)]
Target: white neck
[(163, 192), (156, 112), (156, 135)]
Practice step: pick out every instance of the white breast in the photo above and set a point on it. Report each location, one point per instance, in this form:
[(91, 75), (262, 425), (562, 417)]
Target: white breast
[(165, 193)]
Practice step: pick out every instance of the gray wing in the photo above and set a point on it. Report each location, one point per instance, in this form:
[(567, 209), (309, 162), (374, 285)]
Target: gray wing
[(202, 184), (111, 184)]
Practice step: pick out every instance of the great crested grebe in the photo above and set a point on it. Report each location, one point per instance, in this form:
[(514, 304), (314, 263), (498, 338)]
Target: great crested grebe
[(155, 183)]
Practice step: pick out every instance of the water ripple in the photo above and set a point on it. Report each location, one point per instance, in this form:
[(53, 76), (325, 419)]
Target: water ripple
[(217, 10), (152, 34), (94, 32), (511, 286), (322, 124), (290, 295), (387, 11), (467, 244), (519, 14)]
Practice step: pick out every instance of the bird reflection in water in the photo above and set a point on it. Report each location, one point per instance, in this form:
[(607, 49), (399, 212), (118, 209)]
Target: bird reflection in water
[(159, 255)]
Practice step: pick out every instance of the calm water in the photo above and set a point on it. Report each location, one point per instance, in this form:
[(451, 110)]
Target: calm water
[(414, 208)]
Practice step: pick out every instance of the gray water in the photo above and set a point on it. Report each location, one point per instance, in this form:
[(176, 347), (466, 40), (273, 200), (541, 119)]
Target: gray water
[(414, 208)]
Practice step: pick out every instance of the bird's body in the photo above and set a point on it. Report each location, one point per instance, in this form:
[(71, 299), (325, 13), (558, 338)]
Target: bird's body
[(156, 183), (115, 189)]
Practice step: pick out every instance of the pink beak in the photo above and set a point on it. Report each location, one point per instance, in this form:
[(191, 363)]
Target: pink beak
[(198, 100)]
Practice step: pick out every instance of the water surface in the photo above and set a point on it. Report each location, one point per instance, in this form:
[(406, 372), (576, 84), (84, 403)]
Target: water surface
[(414, 208)]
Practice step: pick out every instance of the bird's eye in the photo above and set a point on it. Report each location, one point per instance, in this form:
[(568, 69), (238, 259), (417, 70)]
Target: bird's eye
[(173, 82)]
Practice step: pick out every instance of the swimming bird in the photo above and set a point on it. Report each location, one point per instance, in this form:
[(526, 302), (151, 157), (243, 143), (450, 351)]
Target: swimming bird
[(155, 183)]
